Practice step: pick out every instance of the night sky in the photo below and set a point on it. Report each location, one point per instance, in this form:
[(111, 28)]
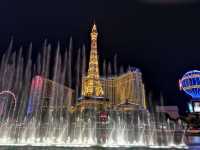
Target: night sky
[(160, 38)]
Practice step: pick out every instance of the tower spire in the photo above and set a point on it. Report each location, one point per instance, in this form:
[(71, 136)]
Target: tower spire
[(91, 84)]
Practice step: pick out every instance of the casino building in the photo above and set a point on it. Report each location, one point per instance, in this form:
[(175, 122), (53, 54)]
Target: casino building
[(48, 96), (124, 92)]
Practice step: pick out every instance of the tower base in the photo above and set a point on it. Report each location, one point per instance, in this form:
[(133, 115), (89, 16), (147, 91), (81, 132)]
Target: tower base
[(92, 102)]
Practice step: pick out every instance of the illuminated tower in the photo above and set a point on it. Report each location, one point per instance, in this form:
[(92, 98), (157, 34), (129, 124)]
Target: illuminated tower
[(91, 85)]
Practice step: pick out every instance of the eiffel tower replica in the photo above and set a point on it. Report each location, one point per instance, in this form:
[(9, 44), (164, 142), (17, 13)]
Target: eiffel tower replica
[(92, 94)]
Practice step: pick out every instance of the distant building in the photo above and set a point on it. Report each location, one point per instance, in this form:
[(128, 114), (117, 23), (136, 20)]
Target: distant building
[(47, 95), (172, 111), (127, 87)]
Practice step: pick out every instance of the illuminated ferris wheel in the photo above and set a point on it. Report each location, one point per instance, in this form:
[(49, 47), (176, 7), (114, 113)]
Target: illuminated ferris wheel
[(7, 104)]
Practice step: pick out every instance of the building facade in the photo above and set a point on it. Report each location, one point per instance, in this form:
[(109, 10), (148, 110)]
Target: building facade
[(172, 111), (48, 96), (127, 87)]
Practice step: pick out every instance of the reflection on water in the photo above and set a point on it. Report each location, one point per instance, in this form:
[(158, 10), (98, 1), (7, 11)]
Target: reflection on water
[(72, 148), (57, 148), (195, 140)]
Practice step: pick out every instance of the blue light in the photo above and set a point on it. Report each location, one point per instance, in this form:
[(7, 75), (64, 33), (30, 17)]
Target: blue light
[(30, 106), (190, 107)]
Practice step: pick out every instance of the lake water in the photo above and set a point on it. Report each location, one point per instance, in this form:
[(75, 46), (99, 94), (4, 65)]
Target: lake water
[(66, 148), (82, 148), (193, 142)]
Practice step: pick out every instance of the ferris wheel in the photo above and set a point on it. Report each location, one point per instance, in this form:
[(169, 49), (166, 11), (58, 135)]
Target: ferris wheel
[(7, 104)]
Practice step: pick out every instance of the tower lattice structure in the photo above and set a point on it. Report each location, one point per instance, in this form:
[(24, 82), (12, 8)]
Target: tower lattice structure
[(91, 85)]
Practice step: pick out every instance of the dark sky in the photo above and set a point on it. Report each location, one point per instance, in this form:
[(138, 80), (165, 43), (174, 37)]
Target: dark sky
[(161, 38)]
